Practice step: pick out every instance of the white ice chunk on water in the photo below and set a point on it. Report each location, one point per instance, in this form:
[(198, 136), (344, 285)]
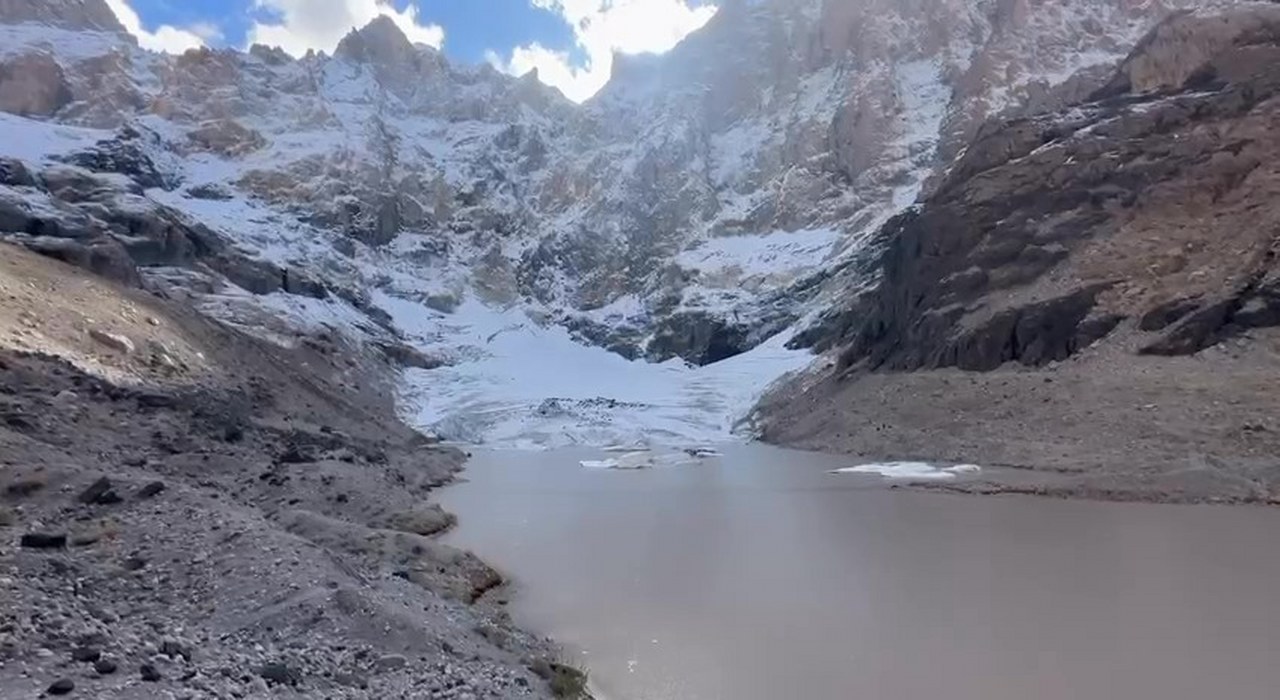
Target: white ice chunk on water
[(909, 470), (630, 460)]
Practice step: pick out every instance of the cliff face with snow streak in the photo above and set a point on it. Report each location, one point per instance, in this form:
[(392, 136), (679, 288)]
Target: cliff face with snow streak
[(704, 201)]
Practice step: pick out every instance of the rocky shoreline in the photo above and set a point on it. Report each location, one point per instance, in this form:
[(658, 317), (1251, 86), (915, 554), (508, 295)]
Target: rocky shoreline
[(190, 512), (1106, 424)]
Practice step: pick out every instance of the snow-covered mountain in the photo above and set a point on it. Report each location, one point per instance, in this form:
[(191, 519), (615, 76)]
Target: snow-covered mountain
[(704, 202)]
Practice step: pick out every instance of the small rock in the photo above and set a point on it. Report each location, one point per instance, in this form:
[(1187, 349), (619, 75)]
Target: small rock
[(298, 454), (280, 674), (151, 489), (104, 667), (134, 564), (86, 655), (61, 686), (175, 649), (351, 680), (391, 663), (149, 673), (101, 614), (42, 540), (100, 493), (115, 341), (85, 539)]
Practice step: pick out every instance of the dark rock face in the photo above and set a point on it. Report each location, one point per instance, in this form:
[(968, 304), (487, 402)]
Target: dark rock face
[(125, 154), (621, 340), (698, 337), (90, 221), (1255, 305), (1053, 230)]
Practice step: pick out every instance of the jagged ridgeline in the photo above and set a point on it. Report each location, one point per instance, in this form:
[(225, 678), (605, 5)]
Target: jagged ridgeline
[(702, 202)]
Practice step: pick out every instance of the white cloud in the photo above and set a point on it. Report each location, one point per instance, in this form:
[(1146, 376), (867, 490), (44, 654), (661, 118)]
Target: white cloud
[(321, 24), (166, 38), (600, 28)]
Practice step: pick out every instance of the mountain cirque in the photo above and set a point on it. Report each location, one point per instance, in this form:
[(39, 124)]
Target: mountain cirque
[(1018, 240), (587, 215)]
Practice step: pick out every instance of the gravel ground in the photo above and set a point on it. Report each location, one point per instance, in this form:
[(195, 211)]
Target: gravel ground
[(186, 512), (1106, 424)]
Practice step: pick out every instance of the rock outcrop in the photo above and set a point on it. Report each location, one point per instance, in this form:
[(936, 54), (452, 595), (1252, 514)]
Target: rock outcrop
[(101, 223), (33, 84), (1153, 207)]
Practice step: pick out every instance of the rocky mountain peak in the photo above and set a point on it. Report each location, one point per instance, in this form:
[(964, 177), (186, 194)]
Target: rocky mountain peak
[(67, 14), (379, 42)]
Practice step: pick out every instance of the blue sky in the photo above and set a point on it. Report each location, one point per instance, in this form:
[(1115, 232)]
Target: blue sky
[(569, 42), (472, 27)]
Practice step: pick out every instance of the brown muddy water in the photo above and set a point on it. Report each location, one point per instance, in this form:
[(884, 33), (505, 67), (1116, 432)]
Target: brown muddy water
[(759, 576)]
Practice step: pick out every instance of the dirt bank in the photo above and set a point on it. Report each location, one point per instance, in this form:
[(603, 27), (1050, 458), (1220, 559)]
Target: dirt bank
[(186, 511), (1107, 423)]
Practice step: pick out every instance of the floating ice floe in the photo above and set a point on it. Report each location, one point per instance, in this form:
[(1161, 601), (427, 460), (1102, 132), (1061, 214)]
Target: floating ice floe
[(630, 460), (910, 470)]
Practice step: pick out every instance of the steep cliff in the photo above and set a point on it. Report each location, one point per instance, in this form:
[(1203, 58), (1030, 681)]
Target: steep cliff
[(1098, 239)]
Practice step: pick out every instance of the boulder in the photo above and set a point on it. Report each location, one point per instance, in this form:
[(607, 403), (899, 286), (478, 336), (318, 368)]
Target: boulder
[(33, 85), (14, 173), (117, 342), (226, 137), (44, 540)]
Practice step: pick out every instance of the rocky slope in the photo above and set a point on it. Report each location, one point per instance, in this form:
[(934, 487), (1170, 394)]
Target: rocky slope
[(1138, 224), (188, 511)]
